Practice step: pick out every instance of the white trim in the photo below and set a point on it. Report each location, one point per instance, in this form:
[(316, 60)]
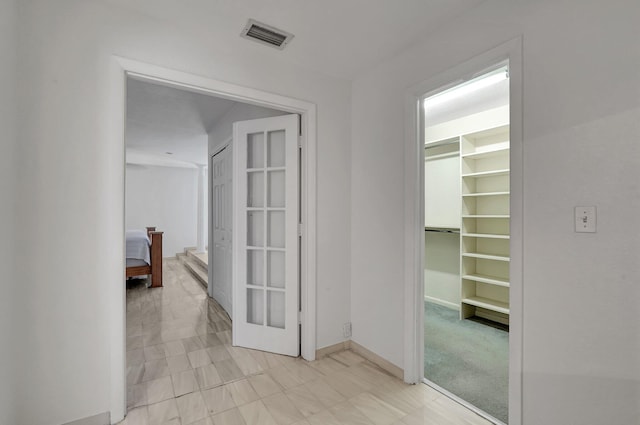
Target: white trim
[(120, 69), (414, 214), (443, 303)]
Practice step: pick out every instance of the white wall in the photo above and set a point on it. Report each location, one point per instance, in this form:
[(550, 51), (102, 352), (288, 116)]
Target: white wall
[(223, 128), (71, 185), (581, 147), (8, 284), (165, 197)]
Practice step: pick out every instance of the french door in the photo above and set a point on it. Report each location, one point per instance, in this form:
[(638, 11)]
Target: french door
[(265, 229)]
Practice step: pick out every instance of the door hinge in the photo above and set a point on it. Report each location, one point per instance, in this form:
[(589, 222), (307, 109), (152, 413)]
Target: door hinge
[(299, 141), (299, 317), (299, 229)]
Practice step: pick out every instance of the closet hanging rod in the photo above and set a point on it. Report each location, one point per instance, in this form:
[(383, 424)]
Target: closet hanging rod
[(441, 230)]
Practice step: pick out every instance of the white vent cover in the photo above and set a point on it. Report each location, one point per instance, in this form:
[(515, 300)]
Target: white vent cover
[(266, 34)]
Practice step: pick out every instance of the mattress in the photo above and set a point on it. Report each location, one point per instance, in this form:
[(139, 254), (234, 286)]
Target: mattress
[(137, 246)]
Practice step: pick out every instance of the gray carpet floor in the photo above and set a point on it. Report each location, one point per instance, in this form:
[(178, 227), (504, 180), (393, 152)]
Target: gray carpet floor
[(469, 358)]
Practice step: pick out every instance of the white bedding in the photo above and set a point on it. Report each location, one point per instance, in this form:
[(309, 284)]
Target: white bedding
[(137, 245)]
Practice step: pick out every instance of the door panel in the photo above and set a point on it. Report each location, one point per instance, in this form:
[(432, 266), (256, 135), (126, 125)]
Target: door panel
[(221, 220), (266, 260)]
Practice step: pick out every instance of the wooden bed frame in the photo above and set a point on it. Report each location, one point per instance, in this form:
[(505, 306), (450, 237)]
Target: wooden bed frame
[(155, 268)]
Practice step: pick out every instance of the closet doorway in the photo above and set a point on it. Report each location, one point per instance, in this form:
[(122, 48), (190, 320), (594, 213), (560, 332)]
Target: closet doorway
[(466, 241)]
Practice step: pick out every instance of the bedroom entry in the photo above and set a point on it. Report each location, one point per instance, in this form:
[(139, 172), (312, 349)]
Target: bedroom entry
[(266, 251)]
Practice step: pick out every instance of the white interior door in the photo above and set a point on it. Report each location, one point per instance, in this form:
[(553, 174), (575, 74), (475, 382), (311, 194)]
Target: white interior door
[(221, 288), (265, 228)]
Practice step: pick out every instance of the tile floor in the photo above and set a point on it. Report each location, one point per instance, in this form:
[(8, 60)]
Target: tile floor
[(182, 369)]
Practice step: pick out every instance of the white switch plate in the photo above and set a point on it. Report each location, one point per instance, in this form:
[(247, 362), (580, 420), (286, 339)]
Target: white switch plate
[(585, 219)]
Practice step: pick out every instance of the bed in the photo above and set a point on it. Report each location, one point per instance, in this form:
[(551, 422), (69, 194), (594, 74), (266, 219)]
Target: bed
[(144, 254)]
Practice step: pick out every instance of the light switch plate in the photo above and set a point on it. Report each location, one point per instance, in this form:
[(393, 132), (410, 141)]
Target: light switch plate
[(585, 218)]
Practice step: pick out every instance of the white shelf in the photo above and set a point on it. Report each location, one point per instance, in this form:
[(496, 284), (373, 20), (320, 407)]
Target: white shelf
[(485, 154), (486, 216), (485, 256), (485, 235), (491, 280), (488, 304), (465, 195), (491, 173)]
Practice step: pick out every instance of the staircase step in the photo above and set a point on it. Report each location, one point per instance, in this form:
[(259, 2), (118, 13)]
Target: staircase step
[(201, 258), (196, 270)]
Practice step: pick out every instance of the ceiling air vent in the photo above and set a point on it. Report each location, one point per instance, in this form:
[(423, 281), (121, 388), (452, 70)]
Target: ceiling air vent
[(266, 34)]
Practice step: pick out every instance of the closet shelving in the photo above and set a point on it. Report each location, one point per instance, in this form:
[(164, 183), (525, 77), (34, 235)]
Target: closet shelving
[(484, 235)]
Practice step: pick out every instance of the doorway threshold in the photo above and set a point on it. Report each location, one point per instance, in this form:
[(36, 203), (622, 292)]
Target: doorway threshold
[(462, 402)]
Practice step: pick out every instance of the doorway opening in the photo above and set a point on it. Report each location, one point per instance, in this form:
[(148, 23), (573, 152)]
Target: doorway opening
[(125, 69), (466, 241)]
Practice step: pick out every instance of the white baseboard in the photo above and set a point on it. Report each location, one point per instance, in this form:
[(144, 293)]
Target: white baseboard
[(101, 419), (442, 302)]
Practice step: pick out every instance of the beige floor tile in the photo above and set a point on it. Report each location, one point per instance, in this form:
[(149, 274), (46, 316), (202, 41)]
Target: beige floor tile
[(162, 412), (208, 376), (323, 392), (174, 348), (248, 365), (345, 384), (178, 363), (228, 417), (199, 358), (303, 371), (256, 413), (304, 400), (210, 340), (347, 357), (284, 377), (378, 411), (159, 390), (136, 395), (135, 342), (218, 353), (229, 370), (154, 352), (205, 421), (346, 413), (135, 357), (138, 416), (192, 408), (303, 422), (264, 384), (323, 418), (155, 369), (184, 382), (218, 399), (327, 366), (135, 373), (281, 409), (242, 392), (192, 344), (266, 360)]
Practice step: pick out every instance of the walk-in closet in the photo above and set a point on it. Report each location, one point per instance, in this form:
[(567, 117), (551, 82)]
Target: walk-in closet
[(466, 241)]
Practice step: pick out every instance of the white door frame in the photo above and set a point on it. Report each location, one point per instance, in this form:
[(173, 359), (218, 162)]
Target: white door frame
[(414, 214), (119, 70)]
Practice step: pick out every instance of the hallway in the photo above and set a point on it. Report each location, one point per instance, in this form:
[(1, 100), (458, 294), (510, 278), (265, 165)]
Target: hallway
[(182, 369)]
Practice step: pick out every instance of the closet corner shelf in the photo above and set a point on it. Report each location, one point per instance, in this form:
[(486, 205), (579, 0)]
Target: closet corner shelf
[(486, 256), (464, 195), (488, 304), (491, 280), (485, 235), (485, 154), (491, 173)]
